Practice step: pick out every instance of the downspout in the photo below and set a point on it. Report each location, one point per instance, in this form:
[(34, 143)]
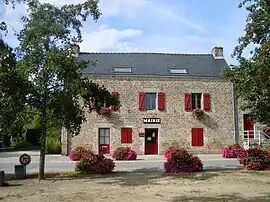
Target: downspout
[(64, 141), (235, 114)]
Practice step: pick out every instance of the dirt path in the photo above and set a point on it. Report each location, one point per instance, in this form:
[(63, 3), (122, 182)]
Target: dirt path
[(207, 186)]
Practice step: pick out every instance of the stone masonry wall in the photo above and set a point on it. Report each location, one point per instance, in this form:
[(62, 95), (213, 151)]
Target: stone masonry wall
[(176, 123)]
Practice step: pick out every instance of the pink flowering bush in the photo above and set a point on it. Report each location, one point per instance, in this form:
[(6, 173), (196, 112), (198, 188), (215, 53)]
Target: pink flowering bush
[(78, 153), (95, 163), (170, 151), (124, 153), (233, 151), (182, 161), (255, 159)]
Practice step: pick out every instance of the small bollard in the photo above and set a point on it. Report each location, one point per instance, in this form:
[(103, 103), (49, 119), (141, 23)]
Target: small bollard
[(2, 178), (20, 171)]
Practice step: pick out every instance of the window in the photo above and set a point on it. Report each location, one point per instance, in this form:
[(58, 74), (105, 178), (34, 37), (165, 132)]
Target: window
[(196, 100), (126, 135), (122, 69), (150, 101), (104, 136), (178, 71), (104, 140)]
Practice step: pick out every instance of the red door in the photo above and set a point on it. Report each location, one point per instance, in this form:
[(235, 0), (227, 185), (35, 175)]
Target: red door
[(151, 141), (104, 140), (248, 127)]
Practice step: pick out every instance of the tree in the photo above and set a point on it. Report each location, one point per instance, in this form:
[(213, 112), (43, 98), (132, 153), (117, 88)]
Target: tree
[(252, 76), (46, 57), (13, 90)]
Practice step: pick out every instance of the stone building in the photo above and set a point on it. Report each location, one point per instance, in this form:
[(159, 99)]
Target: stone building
[(159, 93)]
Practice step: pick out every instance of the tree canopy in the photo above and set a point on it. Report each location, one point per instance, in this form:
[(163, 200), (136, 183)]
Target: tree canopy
[(55, 86), (252, 75), (13, 90)]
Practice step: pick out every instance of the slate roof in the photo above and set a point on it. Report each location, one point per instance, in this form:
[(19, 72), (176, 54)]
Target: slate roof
[(154, 64)]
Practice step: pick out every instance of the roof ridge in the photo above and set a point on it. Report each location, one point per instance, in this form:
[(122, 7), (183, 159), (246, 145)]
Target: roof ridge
[(150, 53)]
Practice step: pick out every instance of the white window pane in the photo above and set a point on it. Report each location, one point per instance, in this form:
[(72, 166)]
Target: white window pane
[(107, 140), (101, 132), (178, 71), (102, 140), (107, 132), (122, 69)]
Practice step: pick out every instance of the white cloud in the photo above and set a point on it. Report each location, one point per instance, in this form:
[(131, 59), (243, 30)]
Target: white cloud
[(148, 26), (105, 38), (126, 8)]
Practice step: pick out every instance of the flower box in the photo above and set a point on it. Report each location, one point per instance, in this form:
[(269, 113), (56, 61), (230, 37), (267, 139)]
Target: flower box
[(198, 114), (106, 110)]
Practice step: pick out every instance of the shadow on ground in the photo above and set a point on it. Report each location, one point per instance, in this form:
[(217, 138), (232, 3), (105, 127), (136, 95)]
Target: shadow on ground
[(11, 185), (143, 177), (223, 198)]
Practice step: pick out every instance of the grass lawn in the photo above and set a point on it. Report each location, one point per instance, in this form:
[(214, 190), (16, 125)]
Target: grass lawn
[(222, 186)]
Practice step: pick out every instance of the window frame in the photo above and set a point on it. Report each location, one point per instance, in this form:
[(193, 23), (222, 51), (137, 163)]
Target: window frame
[(151, 94), (104, 136), (195, 104)]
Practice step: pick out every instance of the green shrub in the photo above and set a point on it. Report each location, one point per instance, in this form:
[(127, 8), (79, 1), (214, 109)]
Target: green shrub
[(23, 144), (53, 145), (33, 136)]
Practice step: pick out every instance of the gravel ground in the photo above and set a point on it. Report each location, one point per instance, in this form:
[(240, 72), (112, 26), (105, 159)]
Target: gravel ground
[(222, 186)]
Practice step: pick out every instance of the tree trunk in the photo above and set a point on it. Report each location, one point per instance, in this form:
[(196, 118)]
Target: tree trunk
[(42, 146), (43, 130)]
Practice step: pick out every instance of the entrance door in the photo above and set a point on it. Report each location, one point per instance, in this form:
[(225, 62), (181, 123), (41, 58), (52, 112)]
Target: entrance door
[(248, 127), (104, 140), (151, 141)]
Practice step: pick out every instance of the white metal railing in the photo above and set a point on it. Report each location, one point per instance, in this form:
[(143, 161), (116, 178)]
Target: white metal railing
[(265, 135), (259, 137), (247, 135)]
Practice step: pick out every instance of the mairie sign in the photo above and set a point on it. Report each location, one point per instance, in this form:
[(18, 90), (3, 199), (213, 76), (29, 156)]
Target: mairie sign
[(151, 120)]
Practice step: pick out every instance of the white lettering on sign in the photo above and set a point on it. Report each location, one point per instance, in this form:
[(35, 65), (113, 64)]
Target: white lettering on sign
[(151, 120)]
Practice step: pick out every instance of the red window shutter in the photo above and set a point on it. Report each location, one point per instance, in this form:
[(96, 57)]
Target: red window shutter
[(129, 135), (188, 103), (161, 101), (116, 94), (206, 102), (123, 135), (194, 137), (200, 137), (141, 101), (93, 102), (197, 137)]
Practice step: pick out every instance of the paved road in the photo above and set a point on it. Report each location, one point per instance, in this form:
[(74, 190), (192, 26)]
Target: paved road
[(57, 163)]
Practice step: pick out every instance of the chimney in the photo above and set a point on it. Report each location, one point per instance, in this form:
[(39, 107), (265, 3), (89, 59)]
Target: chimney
[(75, 49), (217, 52)]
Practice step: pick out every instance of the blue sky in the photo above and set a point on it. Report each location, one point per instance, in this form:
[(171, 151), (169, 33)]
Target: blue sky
[(174, 26)]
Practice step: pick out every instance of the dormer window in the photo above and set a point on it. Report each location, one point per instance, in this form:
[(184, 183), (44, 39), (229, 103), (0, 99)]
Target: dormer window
[(122, 69), (178, 71), (217, 52)]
